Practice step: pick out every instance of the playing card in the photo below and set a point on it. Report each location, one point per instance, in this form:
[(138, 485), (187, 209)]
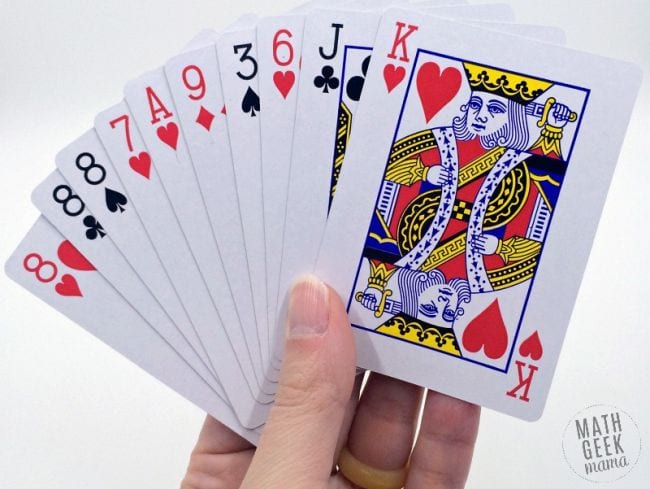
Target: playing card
[(501, 12), (357, 57), (460, 229), (323, 118), (279, 38), (84, 161), (550, 34), (194, 81), (355, 66), (279, 41), (80, 164), (86, 234), (48, 266), (238, 66), (325, 35), (153, 110)]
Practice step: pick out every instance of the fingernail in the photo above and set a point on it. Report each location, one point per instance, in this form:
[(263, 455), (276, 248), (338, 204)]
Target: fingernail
[(308, 308)]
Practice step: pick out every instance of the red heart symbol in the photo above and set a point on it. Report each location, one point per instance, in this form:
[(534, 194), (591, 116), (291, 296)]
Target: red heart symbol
[(393, 75), (168, 134), (68, 287), (71, 257), (436, 89), (487, 331), (141, 164), (531, 347), (284, 81)]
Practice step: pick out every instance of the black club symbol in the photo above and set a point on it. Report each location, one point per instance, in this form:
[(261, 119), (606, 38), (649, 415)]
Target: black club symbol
[(94, 228), (326, 79)]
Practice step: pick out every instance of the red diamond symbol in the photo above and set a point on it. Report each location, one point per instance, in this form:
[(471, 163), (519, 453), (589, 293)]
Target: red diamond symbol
[(205, 118)]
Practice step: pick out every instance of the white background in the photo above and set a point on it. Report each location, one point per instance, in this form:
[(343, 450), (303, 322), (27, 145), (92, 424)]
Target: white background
[(74, 414)]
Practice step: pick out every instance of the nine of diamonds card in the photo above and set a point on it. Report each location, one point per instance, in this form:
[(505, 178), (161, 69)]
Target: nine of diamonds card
[(446, 179)]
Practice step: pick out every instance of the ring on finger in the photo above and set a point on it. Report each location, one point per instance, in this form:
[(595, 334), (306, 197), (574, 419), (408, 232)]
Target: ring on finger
[(368, 477)]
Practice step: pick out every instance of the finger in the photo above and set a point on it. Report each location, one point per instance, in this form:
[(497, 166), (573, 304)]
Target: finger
[(217, 438), (382, 432), (349, 414), (297, 447), (219, 457), (443, 451)]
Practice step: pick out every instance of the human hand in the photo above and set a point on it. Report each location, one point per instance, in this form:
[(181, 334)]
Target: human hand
[(318, 412)]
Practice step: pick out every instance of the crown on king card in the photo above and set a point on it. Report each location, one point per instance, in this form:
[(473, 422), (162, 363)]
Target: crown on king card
[(519, 88)]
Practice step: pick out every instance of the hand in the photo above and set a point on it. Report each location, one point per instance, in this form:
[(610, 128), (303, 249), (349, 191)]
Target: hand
[(486, 244), (559, 115), (438, 175), (318, 411), (371, 298)]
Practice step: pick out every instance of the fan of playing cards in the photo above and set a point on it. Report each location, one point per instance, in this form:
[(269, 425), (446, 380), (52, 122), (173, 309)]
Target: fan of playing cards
[(445, 176)]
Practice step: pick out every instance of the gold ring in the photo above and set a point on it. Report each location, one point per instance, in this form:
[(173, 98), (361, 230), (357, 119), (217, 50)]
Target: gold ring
[(367, 477)]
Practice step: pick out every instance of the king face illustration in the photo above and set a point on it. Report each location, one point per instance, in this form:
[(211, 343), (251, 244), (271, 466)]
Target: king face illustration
[(464, 209)]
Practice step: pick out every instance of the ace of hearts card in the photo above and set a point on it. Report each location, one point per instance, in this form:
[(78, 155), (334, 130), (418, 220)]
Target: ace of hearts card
[(467, 203)]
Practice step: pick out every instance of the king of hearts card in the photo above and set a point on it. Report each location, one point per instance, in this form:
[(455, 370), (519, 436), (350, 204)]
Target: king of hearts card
[(465, 206), (458, 201)]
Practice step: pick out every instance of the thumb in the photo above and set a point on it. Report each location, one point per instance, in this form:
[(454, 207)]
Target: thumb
[(297, 447)]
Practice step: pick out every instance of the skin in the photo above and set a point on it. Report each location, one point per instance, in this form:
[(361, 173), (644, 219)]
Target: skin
[(318, 410)]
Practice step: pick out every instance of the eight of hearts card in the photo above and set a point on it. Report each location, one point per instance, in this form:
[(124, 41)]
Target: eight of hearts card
[(445, 178)]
